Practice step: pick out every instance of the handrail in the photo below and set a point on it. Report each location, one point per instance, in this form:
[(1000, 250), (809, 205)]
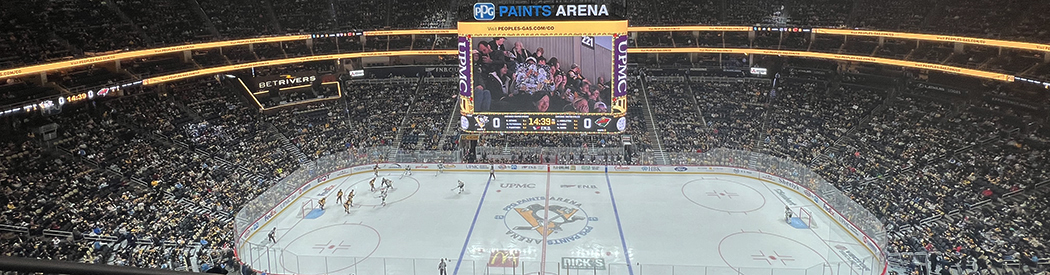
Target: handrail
[(689, 28), (62, 267)]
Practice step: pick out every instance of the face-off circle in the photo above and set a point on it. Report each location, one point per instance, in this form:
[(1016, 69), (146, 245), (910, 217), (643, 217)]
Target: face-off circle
[(403, 189), (761, 250), (342, 245), (723, 195)]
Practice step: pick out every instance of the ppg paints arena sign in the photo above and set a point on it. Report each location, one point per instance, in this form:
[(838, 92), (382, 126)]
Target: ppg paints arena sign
[(564, 222), (490, 11)]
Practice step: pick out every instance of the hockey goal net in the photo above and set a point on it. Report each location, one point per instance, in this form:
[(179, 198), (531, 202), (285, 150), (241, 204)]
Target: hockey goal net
[(305, 208), (805, 216)]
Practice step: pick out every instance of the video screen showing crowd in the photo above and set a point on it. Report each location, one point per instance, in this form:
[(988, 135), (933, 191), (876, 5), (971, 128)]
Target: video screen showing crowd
[(509, 77)]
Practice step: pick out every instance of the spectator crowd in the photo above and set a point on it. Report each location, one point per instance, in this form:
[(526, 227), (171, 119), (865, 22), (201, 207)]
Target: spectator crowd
[(162, 169), (152, 179)]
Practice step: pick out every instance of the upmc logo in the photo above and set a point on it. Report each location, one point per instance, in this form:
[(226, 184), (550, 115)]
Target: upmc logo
[(484, 11)]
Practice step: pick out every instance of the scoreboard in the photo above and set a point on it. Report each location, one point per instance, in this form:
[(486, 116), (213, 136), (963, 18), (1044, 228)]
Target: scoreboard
[(526, 123), (543, 76)]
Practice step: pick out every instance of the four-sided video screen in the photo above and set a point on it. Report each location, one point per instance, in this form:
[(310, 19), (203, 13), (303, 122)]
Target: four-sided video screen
[(520, 77)]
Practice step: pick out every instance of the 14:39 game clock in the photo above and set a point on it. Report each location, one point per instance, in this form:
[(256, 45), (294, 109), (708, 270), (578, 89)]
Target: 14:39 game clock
[(532, 123)]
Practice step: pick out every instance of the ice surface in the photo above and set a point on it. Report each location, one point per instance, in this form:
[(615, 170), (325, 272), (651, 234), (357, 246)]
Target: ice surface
[(685, 223)]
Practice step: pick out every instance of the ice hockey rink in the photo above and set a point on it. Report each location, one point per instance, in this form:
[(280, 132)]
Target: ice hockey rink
[(598, 222)]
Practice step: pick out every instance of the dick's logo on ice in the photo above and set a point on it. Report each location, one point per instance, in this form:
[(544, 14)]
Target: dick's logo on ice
[(562, 222), (583, 263)]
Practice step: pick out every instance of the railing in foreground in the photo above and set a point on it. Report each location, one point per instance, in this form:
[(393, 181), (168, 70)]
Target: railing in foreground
[(856, 219)]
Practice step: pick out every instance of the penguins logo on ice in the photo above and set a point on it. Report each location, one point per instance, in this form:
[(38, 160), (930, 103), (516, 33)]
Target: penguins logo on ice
[(565, 220)]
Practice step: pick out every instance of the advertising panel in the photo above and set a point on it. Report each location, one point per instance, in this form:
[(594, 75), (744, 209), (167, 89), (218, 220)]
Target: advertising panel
[(485, 11), (269, 82)]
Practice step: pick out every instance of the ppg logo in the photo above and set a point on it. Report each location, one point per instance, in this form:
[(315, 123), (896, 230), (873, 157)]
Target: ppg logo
[(484, 11)]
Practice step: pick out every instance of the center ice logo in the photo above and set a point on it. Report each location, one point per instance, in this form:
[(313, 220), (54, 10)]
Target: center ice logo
[(563, 221)]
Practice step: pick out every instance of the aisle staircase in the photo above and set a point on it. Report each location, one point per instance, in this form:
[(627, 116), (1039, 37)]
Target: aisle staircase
[(452, 128), (860, 123), (658, 152), (398, 136), (189, 112), (199, 11), (287, 144), (271, 15), (224, 216), (135, 28), (765, 118)]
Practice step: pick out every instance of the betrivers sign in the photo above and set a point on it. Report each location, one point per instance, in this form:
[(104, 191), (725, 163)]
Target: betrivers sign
[(287, 80)]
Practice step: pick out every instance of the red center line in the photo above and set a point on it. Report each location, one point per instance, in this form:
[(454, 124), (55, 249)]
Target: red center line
[(546, 223)]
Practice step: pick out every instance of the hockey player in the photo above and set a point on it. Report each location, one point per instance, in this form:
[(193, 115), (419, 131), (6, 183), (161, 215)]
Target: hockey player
[(339, 196), (492, 171), (375, 170), (460, 187), (388, 184), (350, 199), (321, 203), (408, 171), (346, 206), (273, 235), (372, 185), (788, 214), (441, 169), (383, 195)]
